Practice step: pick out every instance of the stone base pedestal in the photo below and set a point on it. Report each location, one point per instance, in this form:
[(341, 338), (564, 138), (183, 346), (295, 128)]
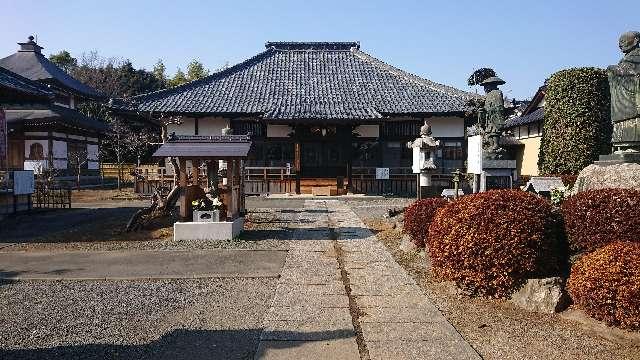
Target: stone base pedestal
[(222, 230), (496, 174), (607, 174)]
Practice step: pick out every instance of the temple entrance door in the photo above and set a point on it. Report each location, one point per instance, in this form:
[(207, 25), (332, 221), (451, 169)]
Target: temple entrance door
[(321, 160)]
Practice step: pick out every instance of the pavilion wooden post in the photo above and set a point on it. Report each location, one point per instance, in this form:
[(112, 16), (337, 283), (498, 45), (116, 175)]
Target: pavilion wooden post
[(241, 171), (212, 174), (297, 164), (231, 175), (183, 190)]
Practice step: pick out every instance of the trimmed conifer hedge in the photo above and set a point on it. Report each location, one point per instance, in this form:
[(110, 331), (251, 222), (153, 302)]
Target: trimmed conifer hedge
[(489, 243), (595, 218), (577, 120), (418, 217), (606, 284)]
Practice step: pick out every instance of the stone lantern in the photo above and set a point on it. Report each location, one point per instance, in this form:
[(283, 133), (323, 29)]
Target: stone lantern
[(424, 156)]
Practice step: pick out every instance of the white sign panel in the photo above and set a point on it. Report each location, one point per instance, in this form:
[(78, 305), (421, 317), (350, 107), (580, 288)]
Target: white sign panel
[(382, 173), (23, 182), (474, 154), (418, 160)]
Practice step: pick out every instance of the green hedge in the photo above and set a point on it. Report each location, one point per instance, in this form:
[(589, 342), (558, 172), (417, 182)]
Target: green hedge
[(577, 120)]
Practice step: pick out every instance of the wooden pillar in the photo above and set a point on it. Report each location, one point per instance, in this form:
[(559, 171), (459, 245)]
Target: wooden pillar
[(212, 175), (183, 190), (297, 164), (241, 192)]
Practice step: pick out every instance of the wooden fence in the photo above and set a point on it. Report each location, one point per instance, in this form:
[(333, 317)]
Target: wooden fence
[(50, 196), (110, 171)]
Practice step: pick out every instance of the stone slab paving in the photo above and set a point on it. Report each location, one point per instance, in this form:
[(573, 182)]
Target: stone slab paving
[(312, 317), (398, 320), (309, 317)]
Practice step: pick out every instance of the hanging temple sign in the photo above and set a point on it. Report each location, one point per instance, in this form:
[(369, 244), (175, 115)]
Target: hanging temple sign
[(624, 84)]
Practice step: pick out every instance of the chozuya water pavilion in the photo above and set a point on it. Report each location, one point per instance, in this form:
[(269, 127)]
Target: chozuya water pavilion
[(327, 112)]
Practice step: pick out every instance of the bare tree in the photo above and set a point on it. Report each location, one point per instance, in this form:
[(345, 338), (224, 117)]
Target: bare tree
[(77, 159), (118, 141)]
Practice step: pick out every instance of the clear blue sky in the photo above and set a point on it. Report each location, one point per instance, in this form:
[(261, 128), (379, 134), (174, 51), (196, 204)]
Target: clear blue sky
[(440, 40)]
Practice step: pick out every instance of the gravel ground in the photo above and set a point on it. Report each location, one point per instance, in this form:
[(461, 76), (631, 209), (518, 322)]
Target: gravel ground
[(264, 229), (147, 319), (498, 329)]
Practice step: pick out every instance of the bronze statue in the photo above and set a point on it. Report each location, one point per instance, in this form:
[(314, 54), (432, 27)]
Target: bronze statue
[(624, 84), (492, 116)]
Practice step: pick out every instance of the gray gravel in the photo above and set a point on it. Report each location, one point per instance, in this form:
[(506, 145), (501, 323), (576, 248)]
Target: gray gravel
[(166, 319)]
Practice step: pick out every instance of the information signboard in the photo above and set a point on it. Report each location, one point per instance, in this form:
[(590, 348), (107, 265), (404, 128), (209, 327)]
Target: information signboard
[(382, 173)]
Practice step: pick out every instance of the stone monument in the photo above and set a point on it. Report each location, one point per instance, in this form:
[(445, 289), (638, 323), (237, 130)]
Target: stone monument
[(424, 157), (621, 169), (487, 159)]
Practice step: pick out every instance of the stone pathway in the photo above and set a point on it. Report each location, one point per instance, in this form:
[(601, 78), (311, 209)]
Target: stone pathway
[(342, 296)]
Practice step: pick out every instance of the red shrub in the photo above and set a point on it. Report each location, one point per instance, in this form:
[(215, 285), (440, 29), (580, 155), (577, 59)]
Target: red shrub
[(491, 242), (597, 217), (418, 216), (606, 284)]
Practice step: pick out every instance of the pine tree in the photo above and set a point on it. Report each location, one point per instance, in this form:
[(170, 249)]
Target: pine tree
[(178, 79)]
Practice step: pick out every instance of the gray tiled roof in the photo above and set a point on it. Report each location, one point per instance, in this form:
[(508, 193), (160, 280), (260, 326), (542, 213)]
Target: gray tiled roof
[(534, 116), (44, 114), (21, 85), (302, 80), (35, 66)]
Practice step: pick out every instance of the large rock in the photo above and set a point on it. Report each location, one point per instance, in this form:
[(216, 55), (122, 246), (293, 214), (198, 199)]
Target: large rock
[(603, 176), (542, 295)]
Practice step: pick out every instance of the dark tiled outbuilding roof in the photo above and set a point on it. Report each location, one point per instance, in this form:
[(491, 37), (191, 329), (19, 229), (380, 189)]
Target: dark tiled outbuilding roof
[(30, 63), (48, 114), (13, 83), (535, 116), (307, 80), (220, 147)]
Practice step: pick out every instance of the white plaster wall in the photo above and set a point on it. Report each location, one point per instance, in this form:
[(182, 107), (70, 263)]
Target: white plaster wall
[(446, 126), (188, 127), (36, 165), (76, 137), (278, 131), (211, 125), (36, 133), (93, 165), (60, 164), (59, 149), (92, 152), (368, 131), (57, 134)]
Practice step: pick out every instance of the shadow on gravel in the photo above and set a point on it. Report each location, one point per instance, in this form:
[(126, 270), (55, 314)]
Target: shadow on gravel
[(62, 225), (179, 344), (317, 233)]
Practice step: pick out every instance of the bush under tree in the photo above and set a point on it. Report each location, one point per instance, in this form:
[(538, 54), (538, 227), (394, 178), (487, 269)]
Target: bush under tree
[(418, 217), (490, 243), (595, 218), (606, 284), (577, 120)]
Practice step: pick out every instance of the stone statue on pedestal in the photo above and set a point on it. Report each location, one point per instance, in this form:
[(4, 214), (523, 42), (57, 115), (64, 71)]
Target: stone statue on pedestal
[(624, 84), (491, 118)]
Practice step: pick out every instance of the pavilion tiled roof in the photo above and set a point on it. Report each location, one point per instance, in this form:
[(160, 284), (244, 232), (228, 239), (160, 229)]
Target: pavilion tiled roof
[(14, 83), (308, 80), (30, 63)]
